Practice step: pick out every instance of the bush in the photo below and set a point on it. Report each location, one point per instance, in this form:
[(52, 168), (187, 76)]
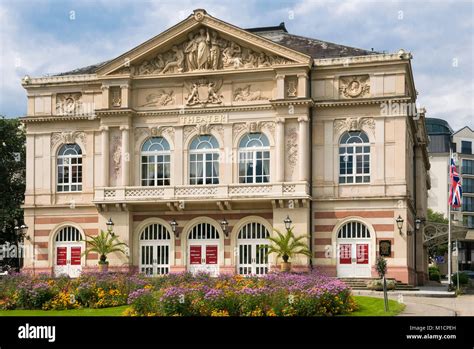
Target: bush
[(463, 279), (434, 274)]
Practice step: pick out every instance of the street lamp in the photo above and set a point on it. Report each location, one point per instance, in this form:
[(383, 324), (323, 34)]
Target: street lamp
[(287, 222), (224, 225), (21, 230), (110, 226), (174, 224), (399, 221)]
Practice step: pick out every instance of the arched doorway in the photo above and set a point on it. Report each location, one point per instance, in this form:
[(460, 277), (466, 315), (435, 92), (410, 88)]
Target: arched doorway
[(68, 248), (154, 247), (203, 249), (252, 245), (354, 245)]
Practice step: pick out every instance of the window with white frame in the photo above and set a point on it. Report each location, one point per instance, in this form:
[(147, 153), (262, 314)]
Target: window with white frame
[(354, 158), (204, 160), (155, 155), (254, 159), (69, 168)]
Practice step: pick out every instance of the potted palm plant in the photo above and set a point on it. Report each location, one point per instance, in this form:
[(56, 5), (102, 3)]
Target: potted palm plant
[(286, 246), (103, 244)]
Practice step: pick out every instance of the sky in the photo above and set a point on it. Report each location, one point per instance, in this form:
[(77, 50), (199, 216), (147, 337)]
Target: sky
[(39, 37)]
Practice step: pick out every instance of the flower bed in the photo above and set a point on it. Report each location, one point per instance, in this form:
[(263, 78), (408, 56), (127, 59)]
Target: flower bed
[(278, 294)]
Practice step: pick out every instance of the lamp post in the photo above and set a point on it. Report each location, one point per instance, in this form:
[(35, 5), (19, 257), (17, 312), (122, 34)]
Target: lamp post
[(110, 227), (224, 225), (21, 231), (174, 224)]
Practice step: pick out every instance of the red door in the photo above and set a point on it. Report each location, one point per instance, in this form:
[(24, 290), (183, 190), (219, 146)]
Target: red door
[(211, 254), (345, 253), (75, 256), (195, 254), (61, 256), (362, 253)]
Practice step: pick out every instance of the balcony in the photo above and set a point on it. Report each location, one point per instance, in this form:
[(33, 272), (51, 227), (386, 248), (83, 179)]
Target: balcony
[(225, 192)]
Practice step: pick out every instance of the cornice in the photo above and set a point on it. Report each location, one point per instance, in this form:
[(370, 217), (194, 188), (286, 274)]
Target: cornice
[(286, 102), (360, 101), (60, 79), (208, 110), (54, 118), (347, 61)]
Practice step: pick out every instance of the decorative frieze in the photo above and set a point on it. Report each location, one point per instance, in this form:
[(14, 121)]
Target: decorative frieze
[(68, 138), (292, 148), (245, 94), (160, 99), (203, 92)]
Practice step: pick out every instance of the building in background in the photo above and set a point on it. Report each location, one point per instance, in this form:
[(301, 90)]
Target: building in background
[(442, 137), (207, 124)]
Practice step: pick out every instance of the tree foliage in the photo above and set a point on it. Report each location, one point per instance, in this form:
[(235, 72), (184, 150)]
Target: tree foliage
[(12, 179)]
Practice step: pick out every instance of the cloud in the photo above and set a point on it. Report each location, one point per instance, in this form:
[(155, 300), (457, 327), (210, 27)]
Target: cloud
[(36, 38)]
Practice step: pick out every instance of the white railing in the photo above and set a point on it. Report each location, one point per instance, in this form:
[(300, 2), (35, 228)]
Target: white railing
[(220, 191)]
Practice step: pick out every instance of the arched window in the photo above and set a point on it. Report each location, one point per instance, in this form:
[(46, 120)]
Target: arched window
[(68, 234), (68, 245), (254, 159), (204, 161), (354, 158), (155, 162), (353, 230), (69, 165), (203, 231)]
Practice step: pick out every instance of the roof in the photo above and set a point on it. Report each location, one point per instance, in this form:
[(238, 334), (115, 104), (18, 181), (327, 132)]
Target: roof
[(278, 34), (461, 129), (436, 126)]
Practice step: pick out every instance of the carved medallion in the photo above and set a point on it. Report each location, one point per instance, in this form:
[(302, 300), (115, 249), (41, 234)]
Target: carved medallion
[(68, 103), (354, 86)]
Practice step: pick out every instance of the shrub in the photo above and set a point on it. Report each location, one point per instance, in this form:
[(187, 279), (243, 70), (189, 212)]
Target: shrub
[(32, 295), (463, 279), (62, 301), (434, 274)]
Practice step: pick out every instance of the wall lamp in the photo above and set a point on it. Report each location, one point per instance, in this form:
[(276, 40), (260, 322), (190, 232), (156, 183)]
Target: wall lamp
[(174, 224), (224, 225)]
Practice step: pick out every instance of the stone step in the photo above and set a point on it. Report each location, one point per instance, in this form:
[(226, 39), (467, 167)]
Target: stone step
[(361, 284)]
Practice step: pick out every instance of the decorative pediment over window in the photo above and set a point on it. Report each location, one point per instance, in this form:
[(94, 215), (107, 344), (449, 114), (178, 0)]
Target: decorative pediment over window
[(202, 43), (354, 124)]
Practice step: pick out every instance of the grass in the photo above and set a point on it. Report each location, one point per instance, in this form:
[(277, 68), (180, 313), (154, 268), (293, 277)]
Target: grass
[(368, 306), (114, 311), (371, 306)]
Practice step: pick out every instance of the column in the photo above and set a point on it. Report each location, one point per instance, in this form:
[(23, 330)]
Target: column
[(303, 153), (280, 150), (125, 155), (125, 95), (105, 155), (228, 161), (105, 97), (302, 84), (280, 86), (178, 176)]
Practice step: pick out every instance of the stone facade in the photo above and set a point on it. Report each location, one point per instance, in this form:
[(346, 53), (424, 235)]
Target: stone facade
[(204, 77)]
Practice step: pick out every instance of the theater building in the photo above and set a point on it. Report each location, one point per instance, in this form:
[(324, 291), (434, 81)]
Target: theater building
[(208, 123)]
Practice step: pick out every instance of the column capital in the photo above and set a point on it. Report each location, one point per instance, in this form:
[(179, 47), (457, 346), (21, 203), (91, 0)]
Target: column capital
[(279, 76), (104, 128), (280, 120), (104, 87), (124, 128), (303, 118), (301, 75), (122, 86)]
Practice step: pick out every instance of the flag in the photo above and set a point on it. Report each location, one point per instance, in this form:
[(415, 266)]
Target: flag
[(455, 189)]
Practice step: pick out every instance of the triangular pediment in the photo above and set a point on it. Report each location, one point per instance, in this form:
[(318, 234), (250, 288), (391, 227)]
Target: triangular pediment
[(202, 43)]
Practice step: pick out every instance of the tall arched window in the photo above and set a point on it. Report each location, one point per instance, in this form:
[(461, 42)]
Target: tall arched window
[(69, 165), (354, 158), (155, 162), (254, 159), (204, 161)]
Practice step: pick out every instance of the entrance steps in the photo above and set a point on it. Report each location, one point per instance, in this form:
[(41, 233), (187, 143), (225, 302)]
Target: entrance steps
[(361, 284)]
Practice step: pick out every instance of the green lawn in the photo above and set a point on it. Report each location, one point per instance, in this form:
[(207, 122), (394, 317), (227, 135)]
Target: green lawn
[(115, 311), (371, 306)]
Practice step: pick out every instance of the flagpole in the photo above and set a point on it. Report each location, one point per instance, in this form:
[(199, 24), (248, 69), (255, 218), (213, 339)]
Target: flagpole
[(449, 218)]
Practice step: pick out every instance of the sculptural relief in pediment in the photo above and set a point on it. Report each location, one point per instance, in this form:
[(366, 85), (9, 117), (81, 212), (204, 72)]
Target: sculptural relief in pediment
[(206, 50)]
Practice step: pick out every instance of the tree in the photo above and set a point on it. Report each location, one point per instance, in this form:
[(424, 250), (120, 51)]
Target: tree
[(12, 181), (286, 246), (436, 217), (103, 244), (438, 250)]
